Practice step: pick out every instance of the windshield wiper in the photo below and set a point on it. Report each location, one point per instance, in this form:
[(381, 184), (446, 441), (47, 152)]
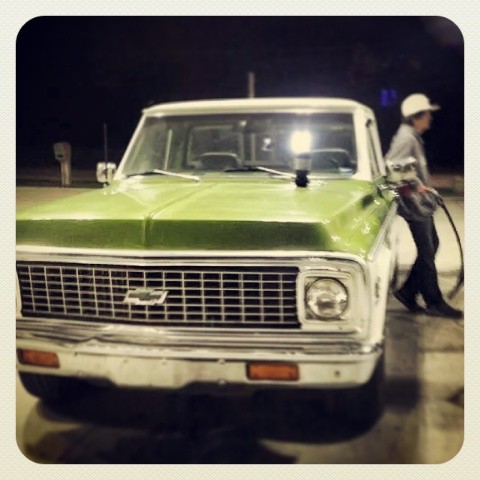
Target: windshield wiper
[(256, 168), (155, 171)]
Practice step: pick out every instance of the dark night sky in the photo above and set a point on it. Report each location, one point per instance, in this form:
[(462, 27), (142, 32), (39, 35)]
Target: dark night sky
[(76, 73)]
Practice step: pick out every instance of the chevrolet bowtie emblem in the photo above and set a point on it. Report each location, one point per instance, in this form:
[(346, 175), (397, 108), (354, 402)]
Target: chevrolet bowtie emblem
[(145, 296)]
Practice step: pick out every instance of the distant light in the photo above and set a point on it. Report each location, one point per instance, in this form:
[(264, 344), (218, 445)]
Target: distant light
[(301, 141), (388, 97)]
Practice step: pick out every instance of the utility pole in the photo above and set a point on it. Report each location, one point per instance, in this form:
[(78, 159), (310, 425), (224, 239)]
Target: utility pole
[(251, 84), (105, 144), (251, 94)]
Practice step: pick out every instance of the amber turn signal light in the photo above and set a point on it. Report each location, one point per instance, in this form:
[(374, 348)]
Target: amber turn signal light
[(273, 371), (38, 358)]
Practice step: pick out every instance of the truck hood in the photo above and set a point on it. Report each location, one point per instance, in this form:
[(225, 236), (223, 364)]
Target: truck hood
[(176, 214)]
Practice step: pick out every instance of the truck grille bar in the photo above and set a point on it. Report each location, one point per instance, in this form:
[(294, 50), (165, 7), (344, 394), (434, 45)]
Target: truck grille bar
[(201, 296)]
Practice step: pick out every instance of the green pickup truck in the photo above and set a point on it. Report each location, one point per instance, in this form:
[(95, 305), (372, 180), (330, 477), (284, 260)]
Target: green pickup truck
[(244, 243)]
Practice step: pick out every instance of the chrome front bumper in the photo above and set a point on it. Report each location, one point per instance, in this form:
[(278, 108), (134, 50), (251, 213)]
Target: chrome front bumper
[(142, 356)]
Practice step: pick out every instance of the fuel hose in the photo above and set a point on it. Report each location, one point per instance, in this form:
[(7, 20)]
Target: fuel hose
[(461, 274)]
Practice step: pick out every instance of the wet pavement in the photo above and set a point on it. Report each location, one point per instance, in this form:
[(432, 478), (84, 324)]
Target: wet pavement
[(423, 421)]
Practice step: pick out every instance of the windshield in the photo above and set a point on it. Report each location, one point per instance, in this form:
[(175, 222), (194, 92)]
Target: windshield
[(242, 142)]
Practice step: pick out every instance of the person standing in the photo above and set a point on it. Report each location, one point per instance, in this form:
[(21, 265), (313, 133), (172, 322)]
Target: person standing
[(416, 112)]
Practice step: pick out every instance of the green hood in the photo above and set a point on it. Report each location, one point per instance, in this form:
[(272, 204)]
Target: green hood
[(225, 214)]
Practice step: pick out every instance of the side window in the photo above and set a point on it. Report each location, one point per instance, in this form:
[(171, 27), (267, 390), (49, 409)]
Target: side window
[(150, 149)]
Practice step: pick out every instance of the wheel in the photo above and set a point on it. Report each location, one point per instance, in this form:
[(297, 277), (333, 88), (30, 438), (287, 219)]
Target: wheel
[(365, 404), (52, 388)]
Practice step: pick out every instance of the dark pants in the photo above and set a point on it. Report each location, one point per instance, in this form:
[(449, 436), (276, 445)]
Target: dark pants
[(423, 275)]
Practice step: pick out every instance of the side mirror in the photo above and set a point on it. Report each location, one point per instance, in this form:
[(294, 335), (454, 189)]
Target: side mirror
[(105, 172)]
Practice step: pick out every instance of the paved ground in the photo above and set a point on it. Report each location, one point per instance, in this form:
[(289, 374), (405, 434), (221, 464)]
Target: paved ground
[(423, 421)]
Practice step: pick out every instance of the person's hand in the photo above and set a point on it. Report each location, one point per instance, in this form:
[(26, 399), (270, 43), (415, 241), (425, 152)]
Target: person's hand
[(422, 188)]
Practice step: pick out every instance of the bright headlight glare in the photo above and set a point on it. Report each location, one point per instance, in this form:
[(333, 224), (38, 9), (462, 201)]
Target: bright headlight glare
[(326, 298), (301, 141)]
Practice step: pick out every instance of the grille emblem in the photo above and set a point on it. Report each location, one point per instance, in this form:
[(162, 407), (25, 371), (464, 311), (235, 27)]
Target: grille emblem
[(145, 296)]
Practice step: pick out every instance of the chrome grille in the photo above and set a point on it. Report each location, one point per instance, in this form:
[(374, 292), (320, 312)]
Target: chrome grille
[(217, 296)]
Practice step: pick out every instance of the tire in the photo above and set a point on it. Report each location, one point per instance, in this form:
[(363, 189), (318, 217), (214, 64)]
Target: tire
[(364, 405), (52, 388)]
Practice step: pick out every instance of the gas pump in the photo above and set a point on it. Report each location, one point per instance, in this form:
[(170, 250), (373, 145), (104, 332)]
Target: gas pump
[(63, 154)]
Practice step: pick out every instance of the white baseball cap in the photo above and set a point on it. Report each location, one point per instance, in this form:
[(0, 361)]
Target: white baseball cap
[(416, 103)]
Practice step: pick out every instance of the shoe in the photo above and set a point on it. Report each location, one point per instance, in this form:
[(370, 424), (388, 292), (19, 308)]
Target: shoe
[(410, 303), (444, 310)]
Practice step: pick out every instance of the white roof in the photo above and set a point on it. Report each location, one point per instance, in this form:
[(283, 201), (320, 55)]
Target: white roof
[(255, 105)]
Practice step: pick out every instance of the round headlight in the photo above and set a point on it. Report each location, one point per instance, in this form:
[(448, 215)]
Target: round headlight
[(326, 298)]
